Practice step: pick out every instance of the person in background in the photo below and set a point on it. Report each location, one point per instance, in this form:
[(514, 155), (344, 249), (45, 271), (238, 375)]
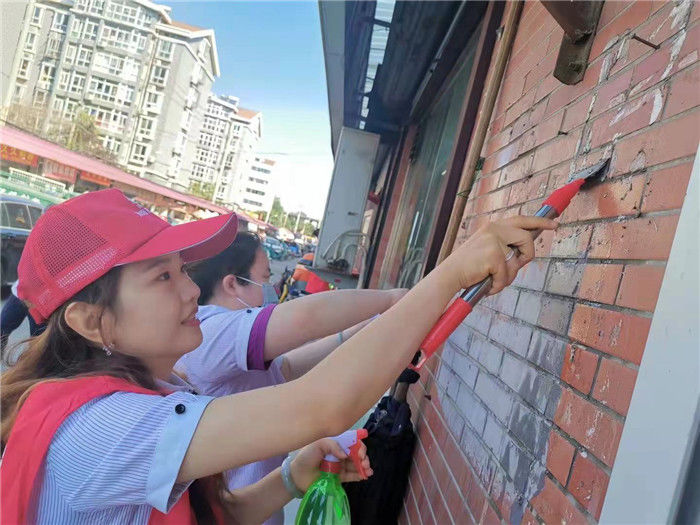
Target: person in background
[(13, 314), (249, 341)]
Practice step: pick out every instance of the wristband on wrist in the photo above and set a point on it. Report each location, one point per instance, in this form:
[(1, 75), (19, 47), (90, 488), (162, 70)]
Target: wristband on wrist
[(288, 481)]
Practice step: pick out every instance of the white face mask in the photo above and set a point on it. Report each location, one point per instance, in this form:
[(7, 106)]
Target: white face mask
[(270, 295)]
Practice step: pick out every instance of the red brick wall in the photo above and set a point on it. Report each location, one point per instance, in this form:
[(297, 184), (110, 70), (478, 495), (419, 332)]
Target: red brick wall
[(520, 418)]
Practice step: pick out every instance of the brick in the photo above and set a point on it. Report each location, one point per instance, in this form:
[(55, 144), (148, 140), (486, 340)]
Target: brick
[(547, 352), (529, 306), (452, 417), (633, 16), (571, 241), (588, 484), (548, 129), (494, 396), (510, 334), (494, 435), (684, 92), (648, 72), (516, 170), (533, 275), (458, 464), (614, 385), (486, 353), (492, 201), (554, 507), (487, 184), (644, 238), (474, 412), (503, 156), (521, 106), (630, 117), (564, 278), (504, 301), (577, 114), (640, 287), (555, 314), (579, 368), (531, 429), (529, 518), (528, 188), (557, 151), (543, 244), (689, 49), (479, 319), (456, 505), (465, 370), (611, 94), (560, 454), (489, 517), (611, 199), (589, 425), (666, 188), (477, 455), (532, 385), (615, 333), (476, 500), (650, 147), (610, 11), (447, 380), (600, 282)]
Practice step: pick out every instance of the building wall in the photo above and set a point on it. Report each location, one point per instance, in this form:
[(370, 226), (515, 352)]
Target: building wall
[(520, 417), (256, 191), (10, 36)]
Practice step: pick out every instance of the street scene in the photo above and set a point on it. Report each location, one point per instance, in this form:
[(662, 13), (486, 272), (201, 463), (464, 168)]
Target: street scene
[(349, 261)]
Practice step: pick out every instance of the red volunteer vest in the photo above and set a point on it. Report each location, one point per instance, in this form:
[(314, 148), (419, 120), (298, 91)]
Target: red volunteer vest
[(43, 411)]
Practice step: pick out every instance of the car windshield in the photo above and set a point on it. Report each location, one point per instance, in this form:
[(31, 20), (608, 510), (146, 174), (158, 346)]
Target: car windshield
[(34, 213), (16, 215)]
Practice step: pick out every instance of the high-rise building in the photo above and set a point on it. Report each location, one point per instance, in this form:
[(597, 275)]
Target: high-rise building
[(256, 192), (143, 77), (225, 153), (210, 170), (246, 134)]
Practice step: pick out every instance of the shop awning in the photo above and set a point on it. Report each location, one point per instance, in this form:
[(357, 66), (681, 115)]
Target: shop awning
[(32, 144)]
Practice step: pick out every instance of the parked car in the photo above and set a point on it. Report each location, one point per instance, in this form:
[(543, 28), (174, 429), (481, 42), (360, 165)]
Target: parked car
[(18, 216), (275, 248)]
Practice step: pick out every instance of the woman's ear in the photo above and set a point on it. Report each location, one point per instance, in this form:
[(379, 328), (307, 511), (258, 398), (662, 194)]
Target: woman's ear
[(84, 318), (229, 285)]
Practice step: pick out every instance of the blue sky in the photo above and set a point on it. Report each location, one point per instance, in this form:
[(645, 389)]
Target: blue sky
[(271, 57)]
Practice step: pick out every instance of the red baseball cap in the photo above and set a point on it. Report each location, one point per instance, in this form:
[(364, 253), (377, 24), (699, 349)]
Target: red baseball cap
[(78, 241)]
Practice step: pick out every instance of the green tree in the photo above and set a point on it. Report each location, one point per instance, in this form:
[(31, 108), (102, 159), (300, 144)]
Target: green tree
[(202, 189), (277, 214)]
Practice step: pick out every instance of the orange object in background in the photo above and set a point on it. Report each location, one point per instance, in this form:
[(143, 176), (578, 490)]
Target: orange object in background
[(314, 283)]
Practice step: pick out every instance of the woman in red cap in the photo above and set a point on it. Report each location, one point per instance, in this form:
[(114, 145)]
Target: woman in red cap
[(95, 426)]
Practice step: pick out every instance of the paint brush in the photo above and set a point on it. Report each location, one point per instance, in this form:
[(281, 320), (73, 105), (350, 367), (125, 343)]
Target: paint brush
[(460, 308)]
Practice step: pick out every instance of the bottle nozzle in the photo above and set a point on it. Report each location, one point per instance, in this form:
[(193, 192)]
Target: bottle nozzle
[(351, 442)]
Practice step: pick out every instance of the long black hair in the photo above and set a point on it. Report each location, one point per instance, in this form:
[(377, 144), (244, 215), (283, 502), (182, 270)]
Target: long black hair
[(236, 260)]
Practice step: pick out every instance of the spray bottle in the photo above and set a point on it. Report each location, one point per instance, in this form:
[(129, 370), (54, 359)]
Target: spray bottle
[(325, 502)]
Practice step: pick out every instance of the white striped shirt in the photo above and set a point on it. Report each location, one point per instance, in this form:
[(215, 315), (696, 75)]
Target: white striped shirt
[(117, 457)]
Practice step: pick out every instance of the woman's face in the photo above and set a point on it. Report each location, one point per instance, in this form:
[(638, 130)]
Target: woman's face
[(154, 314), (260, 273)]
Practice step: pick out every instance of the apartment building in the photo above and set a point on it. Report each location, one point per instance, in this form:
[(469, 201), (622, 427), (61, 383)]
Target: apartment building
[(143, 77), (256, 191)]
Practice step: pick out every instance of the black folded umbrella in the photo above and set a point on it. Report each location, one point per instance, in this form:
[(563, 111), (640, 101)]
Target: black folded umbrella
[(390, 443)]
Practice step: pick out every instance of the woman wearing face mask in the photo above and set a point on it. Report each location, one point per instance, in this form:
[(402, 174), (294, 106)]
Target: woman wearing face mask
[(250, 342)]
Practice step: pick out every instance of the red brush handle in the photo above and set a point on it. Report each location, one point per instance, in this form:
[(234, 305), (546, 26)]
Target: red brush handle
[(555, 204), (448, 323)]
